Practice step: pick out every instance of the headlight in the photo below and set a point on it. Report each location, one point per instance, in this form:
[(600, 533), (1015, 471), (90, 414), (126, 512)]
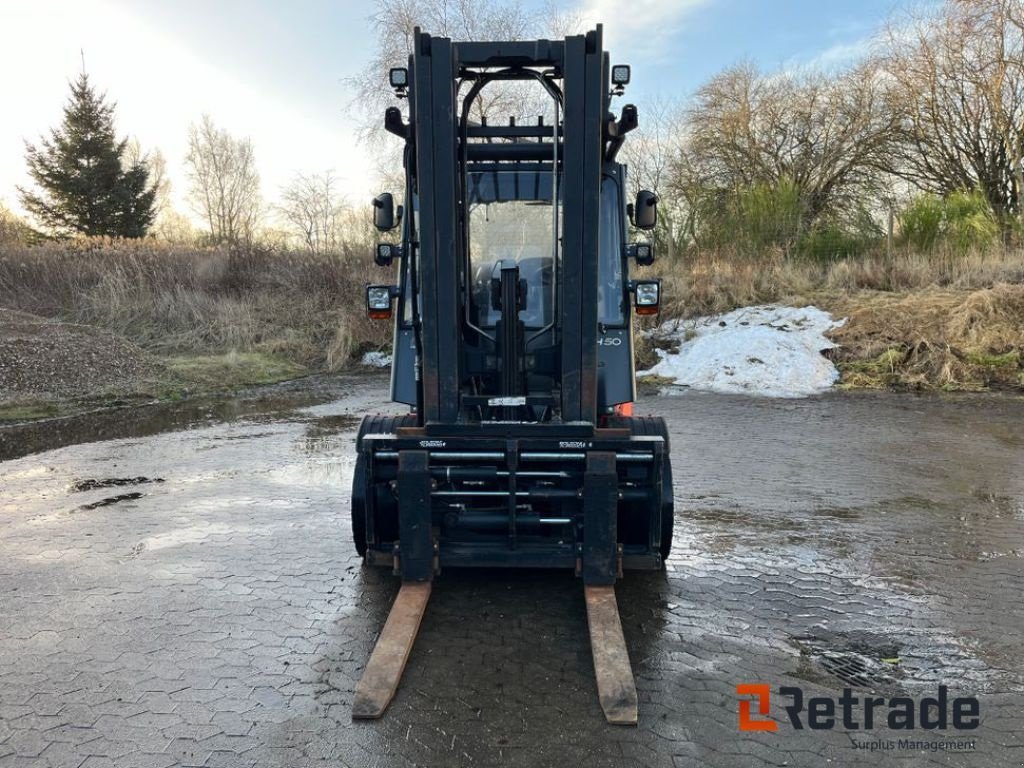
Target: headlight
[(378, 301), (647, 296)]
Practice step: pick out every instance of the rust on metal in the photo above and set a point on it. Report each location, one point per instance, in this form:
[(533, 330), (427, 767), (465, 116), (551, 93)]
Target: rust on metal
[(615, 686), (387, 662)]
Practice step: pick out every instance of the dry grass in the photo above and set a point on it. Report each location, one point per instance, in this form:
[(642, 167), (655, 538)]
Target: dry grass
[(942, 321), (176, 301), (936, 321), (230, 371), (934, 339), (714, 283)]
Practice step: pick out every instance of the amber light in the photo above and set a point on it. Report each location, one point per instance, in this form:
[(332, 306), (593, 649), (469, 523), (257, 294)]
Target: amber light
[(378, 302)]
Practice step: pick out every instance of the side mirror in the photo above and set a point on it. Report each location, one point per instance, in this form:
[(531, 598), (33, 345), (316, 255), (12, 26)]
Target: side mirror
[(379, 301), (641, 253), (647, 296), (384, 211), (645, 210)]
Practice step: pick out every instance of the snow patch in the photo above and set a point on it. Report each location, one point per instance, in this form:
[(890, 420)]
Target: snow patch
[(771, 350), (376, 359)]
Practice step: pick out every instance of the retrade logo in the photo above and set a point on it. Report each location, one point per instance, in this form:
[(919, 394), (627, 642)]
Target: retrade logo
[(762, 696), (938, 713)]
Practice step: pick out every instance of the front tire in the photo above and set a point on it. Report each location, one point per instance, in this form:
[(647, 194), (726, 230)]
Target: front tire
[(359, 504), (362, 498), (654, 426)]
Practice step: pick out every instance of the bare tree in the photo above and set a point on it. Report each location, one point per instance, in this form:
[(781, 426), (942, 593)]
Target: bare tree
[(13, 229), (172, 226), (312, 210), (652, 155), (955, 76), (225, 187), (829, 136), (358, 235), (393, 22), (156, 164)]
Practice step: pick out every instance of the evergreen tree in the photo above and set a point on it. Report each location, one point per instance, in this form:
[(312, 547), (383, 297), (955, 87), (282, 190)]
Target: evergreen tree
[(85, 187)]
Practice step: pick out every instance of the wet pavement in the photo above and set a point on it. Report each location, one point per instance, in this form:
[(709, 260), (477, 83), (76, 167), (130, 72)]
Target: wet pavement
[(183, 591)]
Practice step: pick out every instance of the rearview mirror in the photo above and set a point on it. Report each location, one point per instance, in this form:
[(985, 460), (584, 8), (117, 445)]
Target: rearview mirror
[(384, 211), (645, 210)]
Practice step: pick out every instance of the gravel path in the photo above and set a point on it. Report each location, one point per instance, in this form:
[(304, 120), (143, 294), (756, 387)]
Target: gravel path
[(48, 358)]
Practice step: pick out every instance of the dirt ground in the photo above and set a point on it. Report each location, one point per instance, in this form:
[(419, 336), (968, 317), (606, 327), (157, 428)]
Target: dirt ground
[(50, 359), (179, 588)]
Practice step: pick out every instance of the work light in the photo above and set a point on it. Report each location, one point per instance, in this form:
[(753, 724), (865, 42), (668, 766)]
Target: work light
[(647, 295), (642, 253), (378, 301), (398, 77), (386, 253), (620, 74)]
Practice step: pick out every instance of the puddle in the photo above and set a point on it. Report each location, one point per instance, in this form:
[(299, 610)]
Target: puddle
[(112, 482), (327, 426), (313, 399), (24, 439), (111, 500)]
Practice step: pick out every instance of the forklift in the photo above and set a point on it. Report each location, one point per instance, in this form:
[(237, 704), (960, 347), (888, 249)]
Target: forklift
[(513, 344)]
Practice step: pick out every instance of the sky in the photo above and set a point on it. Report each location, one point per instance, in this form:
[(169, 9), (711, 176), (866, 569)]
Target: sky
[(276, 71)]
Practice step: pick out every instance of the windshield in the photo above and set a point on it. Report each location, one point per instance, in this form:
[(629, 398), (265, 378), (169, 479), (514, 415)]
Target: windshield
[(511, 221)]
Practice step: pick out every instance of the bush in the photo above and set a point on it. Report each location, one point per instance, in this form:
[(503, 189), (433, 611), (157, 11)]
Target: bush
[(962, 222), (831, 242), (753, 220), (770, 219), (767, 216), (970, 223)]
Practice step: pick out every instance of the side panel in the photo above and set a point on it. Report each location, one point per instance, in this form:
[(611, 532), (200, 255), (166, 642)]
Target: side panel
[(403, 367), (615, 375), (616, 372)]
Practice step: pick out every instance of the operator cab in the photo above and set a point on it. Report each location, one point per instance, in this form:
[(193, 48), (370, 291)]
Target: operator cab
[(514, 222)]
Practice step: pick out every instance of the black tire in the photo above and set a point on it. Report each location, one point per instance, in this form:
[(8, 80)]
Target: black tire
[(668, 500), (654, 426), (359, 505), (377, 424)]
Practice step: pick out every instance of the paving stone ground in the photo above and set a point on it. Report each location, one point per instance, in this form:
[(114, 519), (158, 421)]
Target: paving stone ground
[(221, 617)]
